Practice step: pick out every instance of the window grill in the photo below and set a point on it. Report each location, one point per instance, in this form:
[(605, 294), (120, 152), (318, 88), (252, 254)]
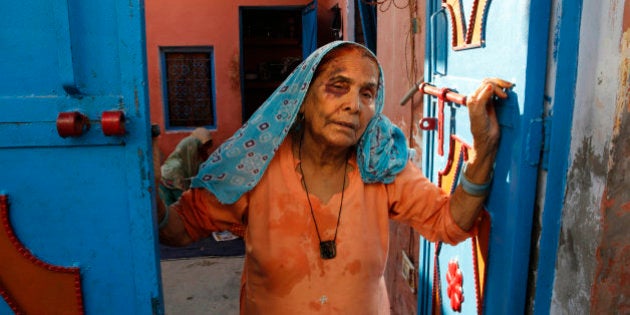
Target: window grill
[(189, 88)]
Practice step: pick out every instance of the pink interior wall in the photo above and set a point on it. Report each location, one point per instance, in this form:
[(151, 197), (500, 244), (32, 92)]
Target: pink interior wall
[(200, 23), (402, 59), (324, 20)]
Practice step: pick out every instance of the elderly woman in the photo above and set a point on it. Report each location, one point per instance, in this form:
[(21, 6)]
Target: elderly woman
[(315, 176)]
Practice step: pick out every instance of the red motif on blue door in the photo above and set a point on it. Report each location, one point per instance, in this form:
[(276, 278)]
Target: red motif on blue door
[(464, 35), (29, 285), (453, 278)]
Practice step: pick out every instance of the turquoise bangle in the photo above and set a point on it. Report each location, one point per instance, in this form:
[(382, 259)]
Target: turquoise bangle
[(164, 220), (472, 189)]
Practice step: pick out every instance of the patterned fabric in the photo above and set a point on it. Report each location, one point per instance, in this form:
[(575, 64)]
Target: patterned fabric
[(239, 163)]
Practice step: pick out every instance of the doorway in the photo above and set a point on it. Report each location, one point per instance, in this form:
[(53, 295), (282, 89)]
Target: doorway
[(271, 41)]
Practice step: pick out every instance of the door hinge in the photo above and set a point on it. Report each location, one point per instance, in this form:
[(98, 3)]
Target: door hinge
[(537, 150), (534, 142)]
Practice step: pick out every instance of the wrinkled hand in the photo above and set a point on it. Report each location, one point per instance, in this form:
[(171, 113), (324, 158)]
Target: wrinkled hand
[(484, 124)]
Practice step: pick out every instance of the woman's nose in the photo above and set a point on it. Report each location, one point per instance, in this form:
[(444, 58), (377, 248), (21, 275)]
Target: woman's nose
[(353, 103)]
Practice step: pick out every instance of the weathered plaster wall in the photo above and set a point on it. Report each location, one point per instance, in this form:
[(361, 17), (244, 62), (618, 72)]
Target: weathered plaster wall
[(593, 259), (611, 290)]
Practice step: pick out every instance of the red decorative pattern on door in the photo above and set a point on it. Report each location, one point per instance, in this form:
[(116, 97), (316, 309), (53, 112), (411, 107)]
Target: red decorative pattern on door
[(30, 285), (448, 181), (454, 278), (472, 35)]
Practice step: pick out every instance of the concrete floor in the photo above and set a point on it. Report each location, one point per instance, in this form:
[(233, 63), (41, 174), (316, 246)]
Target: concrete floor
[(205, 285)]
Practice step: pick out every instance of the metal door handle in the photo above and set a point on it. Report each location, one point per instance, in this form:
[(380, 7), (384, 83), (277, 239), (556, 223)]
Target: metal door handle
[(443, 94), (113, 123), (72, 124), (428, 88)]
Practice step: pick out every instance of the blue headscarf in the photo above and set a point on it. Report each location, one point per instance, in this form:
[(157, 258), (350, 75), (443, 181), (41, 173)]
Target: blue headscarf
[(238, 164)]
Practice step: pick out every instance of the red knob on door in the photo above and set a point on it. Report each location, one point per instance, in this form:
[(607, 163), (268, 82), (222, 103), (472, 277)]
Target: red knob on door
[(428, 123), (72, 124), (113, 123)]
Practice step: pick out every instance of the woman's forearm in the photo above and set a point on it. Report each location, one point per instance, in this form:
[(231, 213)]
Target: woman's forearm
[(465, 207), (171, 230)]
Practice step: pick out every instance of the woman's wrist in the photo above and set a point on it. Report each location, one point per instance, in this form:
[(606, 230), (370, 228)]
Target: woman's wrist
[(476, 189), (476, 176), (481, 163)]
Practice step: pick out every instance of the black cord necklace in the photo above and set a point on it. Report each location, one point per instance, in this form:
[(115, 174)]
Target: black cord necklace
[(327, 249)]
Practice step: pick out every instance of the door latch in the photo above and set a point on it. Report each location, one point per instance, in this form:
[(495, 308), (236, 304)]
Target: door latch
[(443, 94)]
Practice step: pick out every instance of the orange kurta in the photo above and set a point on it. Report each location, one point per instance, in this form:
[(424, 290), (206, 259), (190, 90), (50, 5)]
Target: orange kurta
[(284, 273)]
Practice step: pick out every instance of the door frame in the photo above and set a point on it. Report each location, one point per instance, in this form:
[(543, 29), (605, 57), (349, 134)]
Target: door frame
[(566, 36)]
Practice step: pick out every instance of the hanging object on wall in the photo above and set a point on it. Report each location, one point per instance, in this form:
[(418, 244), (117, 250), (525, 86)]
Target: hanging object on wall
[(336, 26), (469, 35), (29, 285)]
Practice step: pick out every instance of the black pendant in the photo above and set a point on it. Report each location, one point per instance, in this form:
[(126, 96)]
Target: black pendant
[(328, 249)]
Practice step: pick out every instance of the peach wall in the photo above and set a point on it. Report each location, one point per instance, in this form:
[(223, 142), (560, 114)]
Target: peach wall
[(324, 20), (402, 58), (200, 23)]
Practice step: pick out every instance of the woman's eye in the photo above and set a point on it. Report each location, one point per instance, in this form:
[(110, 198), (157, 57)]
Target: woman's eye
[(336, 88), (368, 95)]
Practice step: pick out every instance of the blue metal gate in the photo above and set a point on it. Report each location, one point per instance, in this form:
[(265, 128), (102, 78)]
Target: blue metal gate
[(75, 161)]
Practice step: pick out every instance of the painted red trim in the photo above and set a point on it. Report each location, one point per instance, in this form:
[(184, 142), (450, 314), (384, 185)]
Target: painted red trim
[(458, 21), (436, 292), (478, 297), (24, 252), (449, 162)]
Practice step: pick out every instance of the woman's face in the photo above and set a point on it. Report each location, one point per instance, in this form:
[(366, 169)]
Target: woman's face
[(341, 100)]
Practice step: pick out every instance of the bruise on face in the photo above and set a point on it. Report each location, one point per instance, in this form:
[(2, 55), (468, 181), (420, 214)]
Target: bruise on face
[(341, 100), (338, 84)]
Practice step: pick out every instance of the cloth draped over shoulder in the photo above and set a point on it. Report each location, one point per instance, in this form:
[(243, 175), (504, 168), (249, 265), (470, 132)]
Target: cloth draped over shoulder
[(238, 164), (182, 165)]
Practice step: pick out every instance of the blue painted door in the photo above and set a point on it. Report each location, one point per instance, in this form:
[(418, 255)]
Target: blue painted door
[(79, 197), (309, 29), (469, 40)]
